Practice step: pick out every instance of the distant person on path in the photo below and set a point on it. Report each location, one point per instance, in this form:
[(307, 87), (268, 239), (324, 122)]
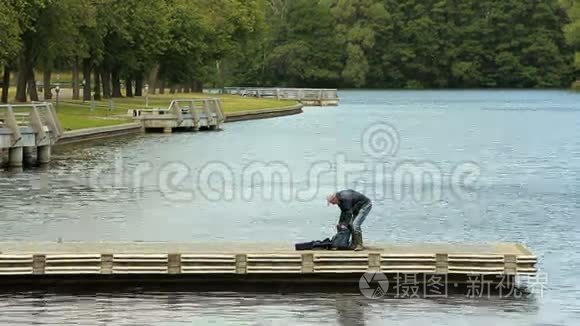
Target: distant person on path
[(354, 208)]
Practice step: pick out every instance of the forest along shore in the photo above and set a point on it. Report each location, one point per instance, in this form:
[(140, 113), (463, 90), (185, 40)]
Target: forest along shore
[(191, 45)]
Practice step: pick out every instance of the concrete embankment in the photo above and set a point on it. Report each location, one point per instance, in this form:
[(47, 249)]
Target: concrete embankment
[(80, 135), (264, 114)]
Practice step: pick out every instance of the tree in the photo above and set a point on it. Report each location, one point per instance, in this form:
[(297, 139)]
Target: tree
[(358, 24), (307, 50), (9, 43), (573, 30), (49, 32)]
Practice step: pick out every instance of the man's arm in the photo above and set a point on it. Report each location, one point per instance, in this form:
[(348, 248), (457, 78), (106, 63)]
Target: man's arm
[(345, 217)]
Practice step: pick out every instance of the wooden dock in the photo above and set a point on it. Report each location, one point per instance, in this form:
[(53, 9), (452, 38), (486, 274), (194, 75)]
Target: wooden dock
[(27, 132), (191, 114), (273, 263), (306, 96)]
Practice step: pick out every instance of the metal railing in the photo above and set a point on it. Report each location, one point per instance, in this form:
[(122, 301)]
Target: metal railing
[(299, 94), (39, 116), (209, 109)]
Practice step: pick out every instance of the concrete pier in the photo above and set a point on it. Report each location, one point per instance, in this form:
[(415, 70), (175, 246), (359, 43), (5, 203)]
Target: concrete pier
[(306, 96), (15, 157), (191, 114), (24, 127), (256, 263), (43, 154)]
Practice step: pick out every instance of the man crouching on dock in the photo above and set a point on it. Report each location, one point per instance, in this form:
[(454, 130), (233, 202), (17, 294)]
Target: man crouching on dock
[(354, 208)]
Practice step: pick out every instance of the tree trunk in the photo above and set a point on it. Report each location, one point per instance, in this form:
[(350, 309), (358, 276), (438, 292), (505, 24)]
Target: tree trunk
[(116, 81), (21, 80), (32, 84), (97, 74), (128, 87), (139, 86), (162, 87), (46, 84), (86, 79), (152, 80), (5, 85), (194, 85), (106, 76), (75, 80)]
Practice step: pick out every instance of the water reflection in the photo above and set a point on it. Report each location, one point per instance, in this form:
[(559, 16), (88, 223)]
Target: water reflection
[(160, 307), (350, 310)]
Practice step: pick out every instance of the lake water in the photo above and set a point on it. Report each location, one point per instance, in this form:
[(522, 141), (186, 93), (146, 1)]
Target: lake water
[(441, 166)]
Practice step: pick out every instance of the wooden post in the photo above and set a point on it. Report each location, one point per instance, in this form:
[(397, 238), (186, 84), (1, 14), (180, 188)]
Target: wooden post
[(38, 264), (374, 262), (241, 264), (174, 263), (510, 264), (277, 93), (307, 263), (441, 263), (107, 264)]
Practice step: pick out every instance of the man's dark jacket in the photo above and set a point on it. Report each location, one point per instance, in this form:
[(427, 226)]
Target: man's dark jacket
[(350, 203)]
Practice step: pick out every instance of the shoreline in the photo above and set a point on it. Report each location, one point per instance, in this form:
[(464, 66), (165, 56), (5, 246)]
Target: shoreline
[(264, 114), (88, 134)]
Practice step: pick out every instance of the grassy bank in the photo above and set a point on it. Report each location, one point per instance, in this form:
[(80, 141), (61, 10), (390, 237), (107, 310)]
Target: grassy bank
[(576, 85), (78, 115)]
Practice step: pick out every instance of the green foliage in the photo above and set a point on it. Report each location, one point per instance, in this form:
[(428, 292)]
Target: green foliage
[(347, 43), (573, 29), (10, 42), (358, 23)]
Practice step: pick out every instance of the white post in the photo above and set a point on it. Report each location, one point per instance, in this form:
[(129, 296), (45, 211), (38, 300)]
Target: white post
[(57, 89), (15, 156), (43, 154), (93, 104), (146, 95)]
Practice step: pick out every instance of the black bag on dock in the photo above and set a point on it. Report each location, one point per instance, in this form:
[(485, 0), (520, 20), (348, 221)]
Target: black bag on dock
[(340, 241), (325, 244)]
